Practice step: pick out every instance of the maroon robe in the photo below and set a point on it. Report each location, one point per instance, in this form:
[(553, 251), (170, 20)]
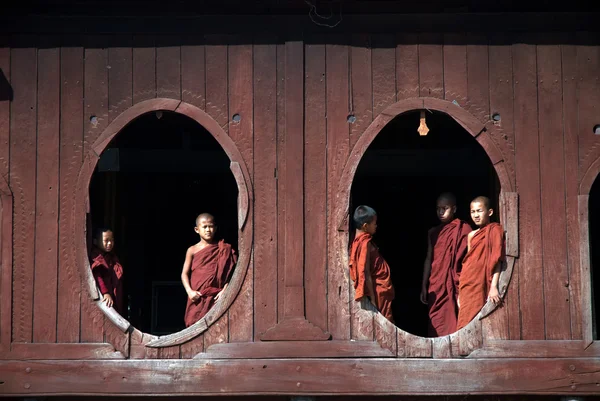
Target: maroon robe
[(210, 271), (108, 272), (449, 244)]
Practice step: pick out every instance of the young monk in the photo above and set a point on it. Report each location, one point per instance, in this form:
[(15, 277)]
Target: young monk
[(206, 270), (447, 246), (368, 270), (107, 269), (482, 264)]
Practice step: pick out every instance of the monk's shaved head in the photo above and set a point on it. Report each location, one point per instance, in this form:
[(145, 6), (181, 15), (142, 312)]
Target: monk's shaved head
[(447, 196), (484, 200), (206, 216)]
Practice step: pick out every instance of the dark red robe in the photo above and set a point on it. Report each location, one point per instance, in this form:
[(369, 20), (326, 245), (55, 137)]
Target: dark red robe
[(210, 271), (380, 274), (449, 244), (108, 272), (486, 252)]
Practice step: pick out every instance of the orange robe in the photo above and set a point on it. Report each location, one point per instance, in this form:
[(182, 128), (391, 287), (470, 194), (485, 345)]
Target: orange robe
[(449, 243), (486, 252), (108, 272), (210, 271), (361, 254)]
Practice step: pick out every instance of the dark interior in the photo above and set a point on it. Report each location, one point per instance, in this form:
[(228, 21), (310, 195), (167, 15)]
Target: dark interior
[(594, 224), (151, 182), (400, 176)]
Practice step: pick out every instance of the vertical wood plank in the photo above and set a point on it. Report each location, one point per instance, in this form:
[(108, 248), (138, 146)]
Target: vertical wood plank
[(407, 66), (96, 106), (265, 186), (384, 72), (144, 68), (216, 79), (571, 143), (587, 323), (552, 170), (120, 76), (361, 95), (71, 147), (168, 67), (431, 65), (22, 180), (478, 76), (192, 347), (455, 68), (193, 71), (315, 185), (6, 94), (218, 332), (528, 178), (501, 83), (46, 233), (281, 188), (6, 204), (338, 141)]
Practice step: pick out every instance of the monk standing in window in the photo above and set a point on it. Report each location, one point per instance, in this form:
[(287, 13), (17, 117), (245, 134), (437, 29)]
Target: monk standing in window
[(368, 270), (447, 246), (107, 269), (482, 264), (207, 269)]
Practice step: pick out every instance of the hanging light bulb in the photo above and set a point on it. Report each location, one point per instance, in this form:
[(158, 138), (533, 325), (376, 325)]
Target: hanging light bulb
[(423, 129)]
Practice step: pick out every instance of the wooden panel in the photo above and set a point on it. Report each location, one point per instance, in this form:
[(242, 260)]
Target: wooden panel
[(407, 66), (477, 77), (384, 72), (71, 142), (193, 72), (588, 88), (168, 67), (46, 233), (120, 76), (431, 65), (281, 184), (337, 153), (240, 58), (587, 322), (501, 85), (265, 187), (96, 119), (216, 80), (218, 332), (22, 181), (361, 89), (144, 68), (528, 172), (6, 93), (192, 347), (6, 201), (24, 351), (315, 185), (411, 346), (552, 172), (169, 352), (571, 156), (455, 68), (532, 349), (386, 334)]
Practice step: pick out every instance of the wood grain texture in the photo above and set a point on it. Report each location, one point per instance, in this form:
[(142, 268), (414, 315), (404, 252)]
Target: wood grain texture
[(407, 66), (383, 65), (168, 67), (361, 89), (120, 75), (144, 68), (193, 71), (431, 65)]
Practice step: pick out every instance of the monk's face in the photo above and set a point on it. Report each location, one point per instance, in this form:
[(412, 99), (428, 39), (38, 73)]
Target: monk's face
[(106, 241), (371, 227), (206, 228), (445, 210), (480, 214)]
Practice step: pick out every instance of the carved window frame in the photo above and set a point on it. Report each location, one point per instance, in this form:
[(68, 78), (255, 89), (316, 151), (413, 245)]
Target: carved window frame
[(245, 219), (363, 313)]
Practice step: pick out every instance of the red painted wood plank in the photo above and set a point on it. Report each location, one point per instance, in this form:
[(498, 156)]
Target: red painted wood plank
[(6, 243), (531, 292), (265, 187), (46, 233), (71, 144), (96, 119), (193, 72), (192, 347), (552, 171), (431, 65), (570, 120), (26, 351), (169, 352), (22, 180), (315, 185), (338, 141), (281, 184), (120, 75), (218, 332), (5, 108), (168, 67), (383, 72), (144, 68), (478, 76), (455, 68), (407, 66), (361, 89), (216, 80)]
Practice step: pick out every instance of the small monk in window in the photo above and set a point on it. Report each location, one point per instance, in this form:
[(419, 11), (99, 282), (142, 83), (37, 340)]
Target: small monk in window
[(482, 264), (368, 269), (107, 269), (447, 246), (207, 269)]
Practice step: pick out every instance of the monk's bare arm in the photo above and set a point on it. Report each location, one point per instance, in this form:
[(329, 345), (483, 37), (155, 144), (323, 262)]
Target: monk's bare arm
[(426, 269), (185, 276), (369, 277)]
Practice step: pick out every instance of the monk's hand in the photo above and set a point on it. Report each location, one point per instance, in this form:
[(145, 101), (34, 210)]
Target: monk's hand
[(107, 299), (194, 295), (494, 296), (424, 296)]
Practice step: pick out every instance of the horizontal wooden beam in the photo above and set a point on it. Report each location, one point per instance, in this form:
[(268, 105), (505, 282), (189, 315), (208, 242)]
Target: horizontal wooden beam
[(24, 351), (303, 377)]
